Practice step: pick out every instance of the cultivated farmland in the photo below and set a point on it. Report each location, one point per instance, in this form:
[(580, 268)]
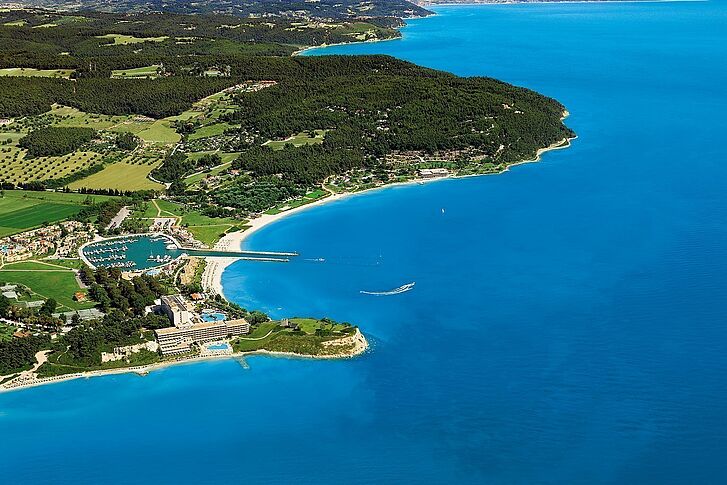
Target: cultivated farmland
[(23, 210)]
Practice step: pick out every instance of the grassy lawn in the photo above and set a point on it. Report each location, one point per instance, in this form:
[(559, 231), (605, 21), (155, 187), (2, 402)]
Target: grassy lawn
[(35, 216), (303, 138), (122, 176), (65, 116), (37, 265), (186, 115), (169, 208), (306, 199), (57, 284), (211, 234), (22, 210), (120, 39), (206, 229), (66, 263), (285, 340), (160, 132), (30, 72), (209, 230), (227, 159), (310, 325), (136, 73), (215, 129)]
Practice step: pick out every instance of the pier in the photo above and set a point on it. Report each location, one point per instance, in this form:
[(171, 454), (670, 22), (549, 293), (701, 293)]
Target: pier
[(242, 254), (145, 251), (269, 260)]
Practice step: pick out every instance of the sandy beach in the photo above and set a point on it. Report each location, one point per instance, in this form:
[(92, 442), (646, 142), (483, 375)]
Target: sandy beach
[(26, 379), (212, 276)]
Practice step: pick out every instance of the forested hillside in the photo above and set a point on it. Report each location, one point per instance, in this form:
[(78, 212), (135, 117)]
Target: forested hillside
[(288, 124), (51, 141), (332, 9)]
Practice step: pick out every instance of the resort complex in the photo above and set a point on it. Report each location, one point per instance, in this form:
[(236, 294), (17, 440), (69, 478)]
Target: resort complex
[(137, 154), (190, 327)]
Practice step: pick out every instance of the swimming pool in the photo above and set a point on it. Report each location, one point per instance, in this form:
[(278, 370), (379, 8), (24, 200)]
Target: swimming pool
[(213, 317), (222, 346)]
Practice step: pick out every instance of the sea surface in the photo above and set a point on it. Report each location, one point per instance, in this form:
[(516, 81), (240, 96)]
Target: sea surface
[(569, 318)]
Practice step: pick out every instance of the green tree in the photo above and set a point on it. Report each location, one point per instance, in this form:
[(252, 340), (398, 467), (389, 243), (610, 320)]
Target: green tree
[(49, 306)]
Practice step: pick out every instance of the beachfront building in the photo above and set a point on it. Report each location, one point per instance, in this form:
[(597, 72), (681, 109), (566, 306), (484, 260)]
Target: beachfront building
[(178, 339), (431, 173), (177, 310), (189, 327)]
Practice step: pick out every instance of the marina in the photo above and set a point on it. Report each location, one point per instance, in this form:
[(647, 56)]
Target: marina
[(142, 252)]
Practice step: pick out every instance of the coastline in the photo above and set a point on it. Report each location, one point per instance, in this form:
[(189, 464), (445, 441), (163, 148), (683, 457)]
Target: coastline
[(216, 266), (358, 340), (322, 46), (212, 281), (541, 2)]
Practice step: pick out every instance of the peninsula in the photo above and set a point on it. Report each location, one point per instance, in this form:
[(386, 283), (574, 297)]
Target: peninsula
[(139, 150)]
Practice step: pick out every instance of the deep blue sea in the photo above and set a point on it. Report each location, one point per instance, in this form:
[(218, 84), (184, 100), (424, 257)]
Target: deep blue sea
[(569, 319)]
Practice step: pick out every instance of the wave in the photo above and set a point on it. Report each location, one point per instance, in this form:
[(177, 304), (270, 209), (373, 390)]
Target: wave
[(395, 291)]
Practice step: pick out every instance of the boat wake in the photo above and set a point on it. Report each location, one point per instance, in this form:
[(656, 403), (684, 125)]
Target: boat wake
[(395, 291)]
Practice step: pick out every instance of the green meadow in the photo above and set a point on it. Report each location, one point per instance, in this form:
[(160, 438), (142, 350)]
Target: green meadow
[(121, 176), (30, 72), (121, 39), (57, 283), (23, 210), (136, 73), (303, 138)]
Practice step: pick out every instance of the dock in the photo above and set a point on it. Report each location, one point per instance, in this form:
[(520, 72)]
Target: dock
[(264, 259), (279, 256)]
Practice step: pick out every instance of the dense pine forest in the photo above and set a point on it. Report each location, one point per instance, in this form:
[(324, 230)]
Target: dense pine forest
[(50, 140), (366, 108), (328, 9)]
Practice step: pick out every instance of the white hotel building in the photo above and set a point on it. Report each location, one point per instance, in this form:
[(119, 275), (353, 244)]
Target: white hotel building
[(188, 329)]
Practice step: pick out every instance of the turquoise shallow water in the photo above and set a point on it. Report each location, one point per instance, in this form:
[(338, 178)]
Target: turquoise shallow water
[(568, 319)]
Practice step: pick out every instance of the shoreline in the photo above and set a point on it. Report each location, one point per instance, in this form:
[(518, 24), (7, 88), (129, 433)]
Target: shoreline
[(212, 280), (335, 44), (361, 345), (216, 266), (545, 2)]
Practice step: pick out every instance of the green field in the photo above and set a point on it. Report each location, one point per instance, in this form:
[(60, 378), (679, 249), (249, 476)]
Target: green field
[(30, 72), (215, 129), (136, 73), (206, 229), (16, 168), (303, 138), (121, 176), (160, 131), (306, 199), (37, 215), (227, 159), (271, 336), (23, 210), (120, 39), (209, 230), (47, 283), (64, 116)]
